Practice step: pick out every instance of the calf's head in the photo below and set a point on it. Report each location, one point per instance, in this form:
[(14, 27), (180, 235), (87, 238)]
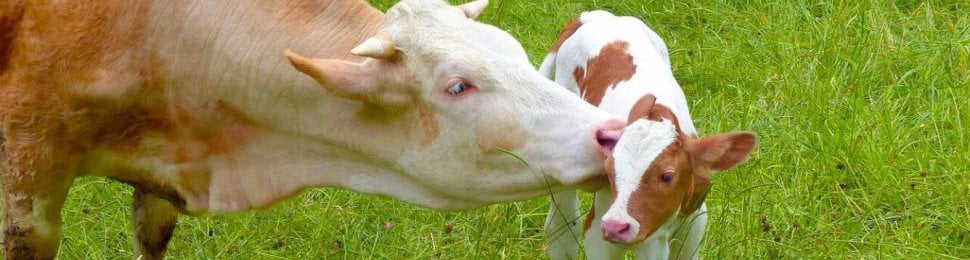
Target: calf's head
[(657, 173), (473, 98)]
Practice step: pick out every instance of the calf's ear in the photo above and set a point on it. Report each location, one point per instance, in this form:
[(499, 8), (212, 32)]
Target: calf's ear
[(642, 108), (721, 152)]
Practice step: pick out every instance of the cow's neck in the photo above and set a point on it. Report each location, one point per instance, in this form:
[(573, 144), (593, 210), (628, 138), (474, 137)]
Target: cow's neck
[(246, 129)]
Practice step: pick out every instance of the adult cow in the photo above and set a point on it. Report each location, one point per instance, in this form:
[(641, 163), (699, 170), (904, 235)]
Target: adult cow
[(193, 104)]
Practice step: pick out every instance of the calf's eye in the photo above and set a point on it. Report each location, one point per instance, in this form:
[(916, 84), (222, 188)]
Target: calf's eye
[(667, 177)]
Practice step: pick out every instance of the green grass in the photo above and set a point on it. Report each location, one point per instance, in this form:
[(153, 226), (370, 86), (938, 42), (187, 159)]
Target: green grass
[(861, 108)]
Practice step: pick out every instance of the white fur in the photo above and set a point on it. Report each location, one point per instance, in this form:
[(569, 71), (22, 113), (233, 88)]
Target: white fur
[(305, 137), (641, 141)]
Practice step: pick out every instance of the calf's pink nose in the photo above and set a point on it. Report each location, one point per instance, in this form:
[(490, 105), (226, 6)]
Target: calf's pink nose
[(607, 135), (616, 231)]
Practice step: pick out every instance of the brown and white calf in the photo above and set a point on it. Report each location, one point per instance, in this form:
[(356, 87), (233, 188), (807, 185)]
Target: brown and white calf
[(660, 170), (194, 104)]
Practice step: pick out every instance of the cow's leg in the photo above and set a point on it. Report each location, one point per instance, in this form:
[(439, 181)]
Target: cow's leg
[(562, 225), (32, 201), (154, 221)]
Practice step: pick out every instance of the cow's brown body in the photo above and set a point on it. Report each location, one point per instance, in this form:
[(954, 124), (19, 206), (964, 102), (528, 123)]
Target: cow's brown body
[(83, 82)]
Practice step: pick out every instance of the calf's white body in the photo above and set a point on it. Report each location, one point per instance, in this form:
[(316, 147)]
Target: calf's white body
[(569, 64)]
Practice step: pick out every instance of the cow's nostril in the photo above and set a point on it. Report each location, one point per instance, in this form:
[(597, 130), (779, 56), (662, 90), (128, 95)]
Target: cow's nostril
[(608, 135), (605, 141)]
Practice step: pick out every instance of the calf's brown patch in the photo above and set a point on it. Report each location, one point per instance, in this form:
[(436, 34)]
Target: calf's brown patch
[(613, 65), (654, 202), (589, 217), (565, 33)]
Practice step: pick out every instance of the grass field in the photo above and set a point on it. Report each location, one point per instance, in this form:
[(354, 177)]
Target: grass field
[(861, 108)]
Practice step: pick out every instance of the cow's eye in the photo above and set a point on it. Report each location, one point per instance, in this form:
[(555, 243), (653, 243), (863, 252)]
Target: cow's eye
[(667, 176), (458, 88)]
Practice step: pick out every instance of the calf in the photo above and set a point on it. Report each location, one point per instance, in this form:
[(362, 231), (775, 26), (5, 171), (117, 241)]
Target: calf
[(660, 170)]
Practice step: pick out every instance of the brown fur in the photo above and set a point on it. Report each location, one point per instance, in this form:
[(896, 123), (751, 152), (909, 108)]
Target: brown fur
[(655, 201), (611, 174), (611, 66), (723, 155), (15, 243), (701, 185), (513, 138), (566, 32), (427, 122), (417, 117), (588, 222), (692, 160), (50, 75), (300, 11), (153, 220), (80, 89), (719, 155), (11, 11)]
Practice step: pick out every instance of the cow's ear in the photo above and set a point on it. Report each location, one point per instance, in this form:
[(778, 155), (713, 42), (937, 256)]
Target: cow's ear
[(340, 78), (474, 8), (721, 152), (384, 83)]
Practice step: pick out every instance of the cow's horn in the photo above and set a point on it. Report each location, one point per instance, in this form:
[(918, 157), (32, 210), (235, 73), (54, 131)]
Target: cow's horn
[(381, 46), (474, 8)]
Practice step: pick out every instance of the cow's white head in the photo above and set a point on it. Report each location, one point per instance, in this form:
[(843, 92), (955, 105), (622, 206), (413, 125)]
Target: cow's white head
[(658, 173), (472, 100)]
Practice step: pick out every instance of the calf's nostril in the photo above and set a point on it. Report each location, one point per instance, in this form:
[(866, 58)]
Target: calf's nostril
[(615, 228), (624, 229)]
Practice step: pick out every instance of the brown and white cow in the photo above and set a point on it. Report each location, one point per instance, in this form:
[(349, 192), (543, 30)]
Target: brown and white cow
[(194, 104), (660, 170)]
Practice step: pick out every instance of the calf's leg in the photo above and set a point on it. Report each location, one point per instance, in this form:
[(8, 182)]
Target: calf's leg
[(596, 246), (655, 247), (687, 241), (562, 225)]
